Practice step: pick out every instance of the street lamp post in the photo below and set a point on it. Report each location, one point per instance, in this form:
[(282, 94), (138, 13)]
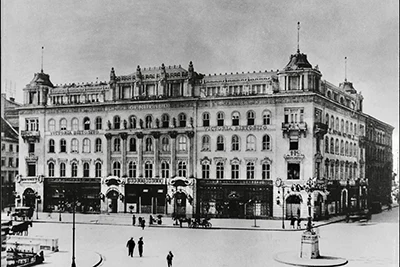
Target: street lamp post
[(280, 184), (73, 232), (37, 205)]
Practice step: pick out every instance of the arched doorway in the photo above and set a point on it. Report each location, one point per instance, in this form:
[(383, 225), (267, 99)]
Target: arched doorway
[(29, 197), (180, 204), (344, 201), (112, 197), (318, 206), (293, 203)]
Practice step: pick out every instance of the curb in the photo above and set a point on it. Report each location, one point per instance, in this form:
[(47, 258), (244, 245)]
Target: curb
[(100, 261)]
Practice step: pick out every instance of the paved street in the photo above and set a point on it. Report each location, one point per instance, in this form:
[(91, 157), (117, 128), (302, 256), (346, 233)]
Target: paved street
[(372, 244)]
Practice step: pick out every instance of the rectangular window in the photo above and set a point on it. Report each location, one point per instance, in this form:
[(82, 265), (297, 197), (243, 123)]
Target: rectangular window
[(3, 161), (266, 171), (17, 162), (11, 148), (3, 147), (31, 148), (10, 162), (205, 170), (293, 171), (235, 171), (31, 169), (294, 145)]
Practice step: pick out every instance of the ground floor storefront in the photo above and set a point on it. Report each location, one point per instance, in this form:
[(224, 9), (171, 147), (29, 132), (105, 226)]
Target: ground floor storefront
[(234, 198)]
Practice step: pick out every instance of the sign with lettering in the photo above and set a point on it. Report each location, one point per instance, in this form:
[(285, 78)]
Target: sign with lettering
[(81, 132), (145, 180), (236, 128)]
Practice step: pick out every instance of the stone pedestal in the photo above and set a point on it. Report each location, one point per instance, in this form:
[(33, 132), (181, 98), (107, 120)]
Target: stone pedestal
[(309, 245)]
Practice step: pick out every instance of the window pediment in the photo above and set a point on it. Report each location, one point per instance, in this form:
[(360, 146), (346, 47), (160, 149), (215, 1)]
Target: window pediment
[(266, 160), (205, 161), (235, 161)]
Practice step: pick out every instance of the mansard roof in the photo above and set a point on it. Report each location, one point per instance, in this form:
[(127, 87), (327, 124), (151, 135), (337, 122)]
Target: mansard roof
[(41, 78), (298, 61)]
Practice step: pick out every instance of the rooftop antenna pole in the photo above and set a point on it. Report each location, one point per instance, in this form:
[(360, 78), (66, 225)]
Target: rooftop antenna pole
[(42, 59), (345, 69), (298, 37)]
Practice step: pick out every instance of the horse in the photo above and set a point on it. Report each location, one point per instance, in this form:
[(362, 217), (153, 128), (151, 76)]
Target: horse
[(21, 228)]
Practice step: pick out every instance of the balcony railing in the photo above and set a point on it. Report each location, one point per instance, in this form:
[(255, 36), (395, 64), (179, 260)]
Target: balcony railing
[(30, 135), (294, 126)]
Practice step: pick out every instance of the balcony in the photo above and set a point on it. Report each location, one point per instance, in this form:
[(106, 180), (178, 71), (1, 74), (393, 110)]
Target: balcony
[(30, 136), (287, 127), (320, 128)]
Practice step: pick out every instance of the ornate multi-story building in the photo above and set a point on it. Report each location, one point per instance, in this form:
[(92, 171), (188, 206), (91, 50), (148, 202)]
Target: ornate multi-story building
[(171, 140)]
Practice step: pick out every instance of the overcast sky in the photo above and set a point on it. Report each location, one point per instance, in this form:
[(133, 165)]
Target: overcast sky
[(84, 39)]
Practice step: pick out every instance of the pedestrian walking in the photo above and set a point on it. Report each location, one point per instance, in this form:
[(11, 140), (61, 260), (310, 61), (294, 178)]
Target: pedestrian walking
[(292, 221), (169, 259), (140, 244), (140, 221), (298, 223), (133, 219), (143, 224), (131, 246)]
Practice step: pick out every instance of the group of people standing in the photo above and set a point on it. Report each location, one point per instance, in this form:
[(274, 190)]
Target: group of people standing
[(141, 221), (293, 222), (131, 247)]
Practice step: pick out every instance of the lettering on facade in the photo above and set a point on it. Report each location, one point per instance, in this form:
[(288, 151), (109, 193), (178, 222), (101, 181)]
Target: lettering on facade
[(294, 155), (145, 181), (236, 128), (81, 132)]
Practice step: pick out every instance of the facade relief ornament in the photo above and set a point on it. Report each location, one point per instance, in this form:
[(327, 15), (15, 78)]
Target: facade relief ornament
[(219, 160), (294, 155), (205, 161), (253, 160), (235, 161), (266, 160)]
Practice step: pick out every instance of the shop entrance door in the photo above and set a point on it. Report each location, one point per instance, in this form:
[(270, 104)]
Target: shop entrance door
[(29, 198), (293, 206), (233, 208), (113, 201), (180, 204)]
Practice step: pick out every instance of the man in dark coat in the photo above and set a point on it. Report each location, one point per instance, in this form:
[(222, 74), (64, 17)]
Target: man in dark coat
[(133, 219), (140, 244), (131, 246), (143, 223), (169, 259)]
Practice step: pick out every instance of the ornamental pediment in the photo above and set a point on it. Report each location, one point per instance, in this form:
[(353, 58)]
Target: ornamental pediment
[(294, 155)]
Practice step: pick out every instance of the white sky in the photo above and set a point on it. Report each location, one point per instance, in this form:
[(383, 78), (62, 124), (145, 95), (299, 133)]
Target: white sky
[(83, 39)]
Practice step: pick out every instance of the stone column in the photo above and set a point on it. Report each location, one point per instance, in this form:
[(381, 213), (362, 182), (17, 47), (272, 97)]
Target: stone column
[(140, 136), (124, 148), (191, 162), (156, 136), (108, 168), (173, 135)]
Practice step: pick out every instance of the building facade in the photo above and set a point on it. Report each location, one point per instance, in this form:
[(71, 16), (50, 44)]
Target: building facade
[(169, 140)]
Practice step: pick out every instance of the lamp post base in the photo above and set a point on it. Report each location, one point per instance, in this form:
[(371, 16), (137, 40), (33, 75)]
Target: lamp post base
[(292, 258), (309, 245)]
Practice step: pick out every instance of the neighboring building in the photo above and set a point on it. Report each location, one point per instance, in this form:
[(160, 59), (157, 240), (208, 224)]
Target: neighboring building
[(171, 140)]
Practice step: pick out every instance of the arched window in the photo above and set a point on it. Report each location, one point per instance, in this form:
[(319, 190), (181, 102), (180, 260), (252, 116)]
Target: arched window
[(205, 143), (63, 145), (149, 121), (346, 148), (86, 145), (182, 143), (74, 124), (206, 119), (266, 142), (52, 125), (51, 169), (51, 146), (98, 145), (86, 123), (235, 143), (341, 147), (332, 146), (250, 170), (165, 120), (220, 170), (351, 128), (132, 122), (99, 122), (266, 171), (182, 169), (266, 117), (148, 169), (117, 144), (117, 122), (205, 171), (74, 145), (132, 144), (235, 118), (98, 170), (164, 169), (220, 119), (337, 124), (347, 127), (327, 119), (63, 124), (332, 123), (62, 169), (355, 129), (342, 126), (251, 117), (74, 169), (329, 94), (251, 143), (86, 169), (337, 151), (149, 144), (326, 144), (220, 143), (132, 169), (117, 169), (182, 120), (165, 144)]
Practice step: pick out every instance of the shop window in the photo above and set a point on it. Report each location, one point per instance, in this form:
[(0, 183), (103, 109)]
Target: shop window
[(132, 144), (86, 169), (235, 143), (98, 169), (74, 124), (220, 170), (266, 142), (164, 169), (117, 122), (182, 120), (165, 120), (62, 169), (220, 143), (74, 169), (99, 123), (206, 119), (51, 169), (293, 171), (63, 145), (74, 145), (51, 146), (86, 123), (235, 118), (205, 144), (182, 169), (220, 119), (266, 171), (250, 170), (235, 171), (205, 171), (98, 145), (251, 117)]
